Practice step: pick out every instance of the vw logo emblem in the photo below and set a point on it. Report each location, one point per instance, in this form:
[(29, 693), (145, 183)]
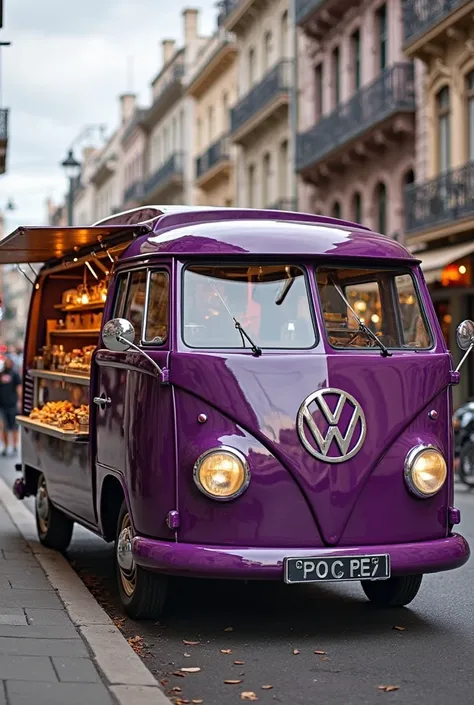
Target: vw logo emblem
[(345, 422)]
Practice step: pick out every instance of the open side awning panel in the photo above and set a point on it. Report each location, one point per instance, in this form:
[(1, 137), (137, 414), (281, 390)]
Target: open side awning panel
[(29, 244)]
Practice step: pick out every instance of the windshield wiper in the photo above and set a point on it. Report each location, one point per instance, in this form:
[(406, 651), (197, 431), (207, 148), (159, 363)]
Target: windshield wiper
[(243, 333), (385, 352)]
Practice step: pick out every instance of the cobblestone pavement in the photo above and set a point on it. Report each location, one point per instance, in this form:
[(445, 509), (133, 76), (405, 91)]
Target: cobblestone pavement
[(43, 658)]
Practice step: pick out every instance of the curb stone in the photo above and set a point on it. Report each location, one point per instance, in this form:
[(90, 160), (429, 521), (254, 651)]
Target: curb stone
[(129, 680)]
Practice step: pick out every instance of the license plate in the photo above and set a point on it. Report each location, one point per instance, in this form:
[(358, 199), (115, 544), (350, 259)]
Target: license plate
[(340, 568)]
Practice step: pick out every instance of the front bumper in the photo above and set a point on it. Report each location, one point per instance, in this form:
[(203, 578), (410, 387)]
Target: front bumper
[(267, 563)]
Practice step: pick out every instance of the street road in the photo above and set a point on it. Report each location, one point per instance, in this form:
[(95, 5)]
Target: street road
[(276, 630)]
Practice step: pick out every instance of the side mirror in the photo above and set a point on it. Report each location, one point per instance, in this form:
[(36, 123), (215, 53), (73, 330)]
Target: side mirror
[(465, 339), (465, 334), (118, 335)]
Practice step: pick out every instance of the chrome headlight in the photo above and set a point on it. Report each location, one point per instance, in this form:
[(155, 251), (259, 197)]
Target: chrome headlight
[(222, 473), (425, 471)]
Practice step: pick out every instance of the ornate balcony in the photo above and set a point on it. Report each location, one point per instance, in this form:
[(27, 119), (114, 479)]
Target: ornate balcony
[(426, 21), (283, 204), (3, 138), (234, 15), (170, 91), (441, 203), (214, 162), (364, 119), (317, 17), (134, 192), (267, 99), (169, 176)]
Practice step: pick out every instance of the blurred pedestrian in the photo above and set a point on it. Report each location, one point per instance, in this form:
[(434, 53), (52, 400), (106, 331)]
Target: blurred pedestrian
[(10, 395)]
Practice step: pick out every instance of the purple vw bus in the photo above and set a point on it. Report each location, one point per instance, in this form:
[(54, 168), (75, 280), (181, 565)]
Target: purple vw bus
[(238, 394)]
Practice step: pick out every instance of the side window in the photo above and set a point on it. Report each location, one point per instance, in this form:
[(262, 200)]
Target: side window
[(120, 295), (135, 303), (156, 330)]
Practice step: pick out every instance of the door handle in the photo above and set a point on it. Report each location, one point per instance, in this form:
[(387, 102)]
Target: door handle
[(102, 401)]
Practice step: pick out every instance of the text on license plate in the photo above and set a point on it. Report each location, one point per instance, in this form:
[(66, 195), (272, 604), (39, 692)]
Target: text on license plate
[(311, 570)]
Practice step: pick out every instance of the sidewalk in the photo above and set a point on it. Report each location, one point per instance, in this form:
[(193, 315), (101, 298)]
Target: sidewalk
[(57, 645)]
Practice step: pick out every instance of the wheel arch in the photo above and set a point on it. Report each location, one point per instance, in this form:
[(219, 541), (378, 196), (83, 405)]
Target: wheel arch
[(112, 496)]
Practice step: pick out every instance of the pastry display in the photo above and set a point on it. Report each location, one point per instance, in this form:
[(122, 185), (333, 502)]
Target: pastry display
[(63, 415)]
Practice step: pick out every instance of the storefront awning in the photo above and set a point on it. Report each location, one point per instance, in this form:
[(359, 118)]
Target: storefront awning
[(43, 243), (434, 261)]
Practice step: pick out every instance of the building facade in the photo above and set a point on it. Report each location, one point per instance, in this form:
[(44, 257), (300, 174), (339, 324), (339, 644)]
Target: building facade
[(260, 119), (15, 292), (356, 112), (439, 224), (212, 84)]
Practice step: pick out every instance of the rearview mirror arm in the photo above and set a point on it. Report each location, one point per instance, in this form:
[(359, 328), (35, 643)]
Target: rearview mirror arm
[(466, 354), (163, 373)]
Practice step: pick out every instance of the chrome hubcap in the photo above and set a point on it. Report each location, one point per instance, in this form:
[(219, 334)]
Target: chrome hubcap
[(42, 506), (126, 564)]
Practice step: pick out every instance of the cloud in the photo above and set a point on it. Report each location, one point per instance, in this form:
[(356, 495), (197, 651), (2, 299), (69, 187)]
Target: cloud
[(65, 69)]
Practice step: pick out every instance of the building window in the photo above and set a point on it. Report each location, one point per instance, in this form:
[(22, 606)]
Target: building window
[(267, 51), (225, 111), (283, 170), (444, 137), (251, 67), (318, 79), (251, 186), (266, 180), (381, 204), (409, 178), (357, 207), (382, 36), (284, 49), (336, 211), (470, 114), (210, 123), (336, 76), (356, 59)]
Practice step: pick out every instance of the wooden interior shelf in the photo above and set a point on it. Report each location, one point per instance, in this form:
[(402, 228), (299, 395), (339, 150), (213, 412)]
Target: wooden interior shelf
[(61, 376), (77, 308), (75, 332), (34, 425)]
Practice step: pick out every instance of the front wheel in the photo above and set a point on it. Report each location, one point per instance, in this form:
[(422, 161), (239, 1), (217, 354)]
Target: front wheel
[(142, 593), (54, 527), (394, 592)]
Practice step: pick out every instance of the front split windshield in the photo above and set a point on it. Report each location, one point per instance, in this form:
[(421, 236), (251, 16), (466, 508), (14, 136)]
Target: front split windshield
[(270, 303), (384, 300)]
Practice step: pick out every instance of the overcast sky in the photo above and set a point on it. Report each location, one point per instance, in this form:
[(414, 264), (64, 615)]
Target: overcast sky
[(65, 69)]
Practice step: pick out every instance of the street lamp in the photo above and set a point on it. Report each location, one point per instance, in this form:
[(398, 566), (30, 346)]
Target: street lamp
[(72, 169)]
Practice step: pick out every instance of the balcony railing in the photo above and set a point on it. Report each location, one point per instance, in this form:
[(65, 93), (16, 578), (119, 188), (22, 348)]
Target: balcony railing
[(447, 198), (3, 124), (419, 16), (275, 82), (217, 152), (304, 7), (134, 192), (283, 204), (393, 91), (173, 168)]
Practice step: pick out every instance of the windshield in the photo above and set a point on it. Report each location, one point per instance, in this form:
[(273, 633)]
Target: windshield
[(385, 300), (269, 302)]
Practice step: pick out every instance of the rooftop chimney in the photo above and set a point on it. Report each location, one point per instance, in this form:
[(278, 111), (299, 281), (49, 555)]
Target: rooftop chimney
[(168, 50), (128, 103), (190, 25)]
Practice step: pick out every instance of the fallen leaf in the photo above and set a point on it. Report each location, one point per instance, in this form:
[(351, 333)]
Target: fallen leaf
[(194, 669), (296, 651), (267, 687), (248, 695), (176, 689), (239, 663), (187, 655), (320, 653), (388, 688), (229, 629), (398, 628), (182, 701), (231, 682), (164, 682), (177, 673), (191, 643), (226, 651), (197, 702), (135, 640), (325, 658)]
